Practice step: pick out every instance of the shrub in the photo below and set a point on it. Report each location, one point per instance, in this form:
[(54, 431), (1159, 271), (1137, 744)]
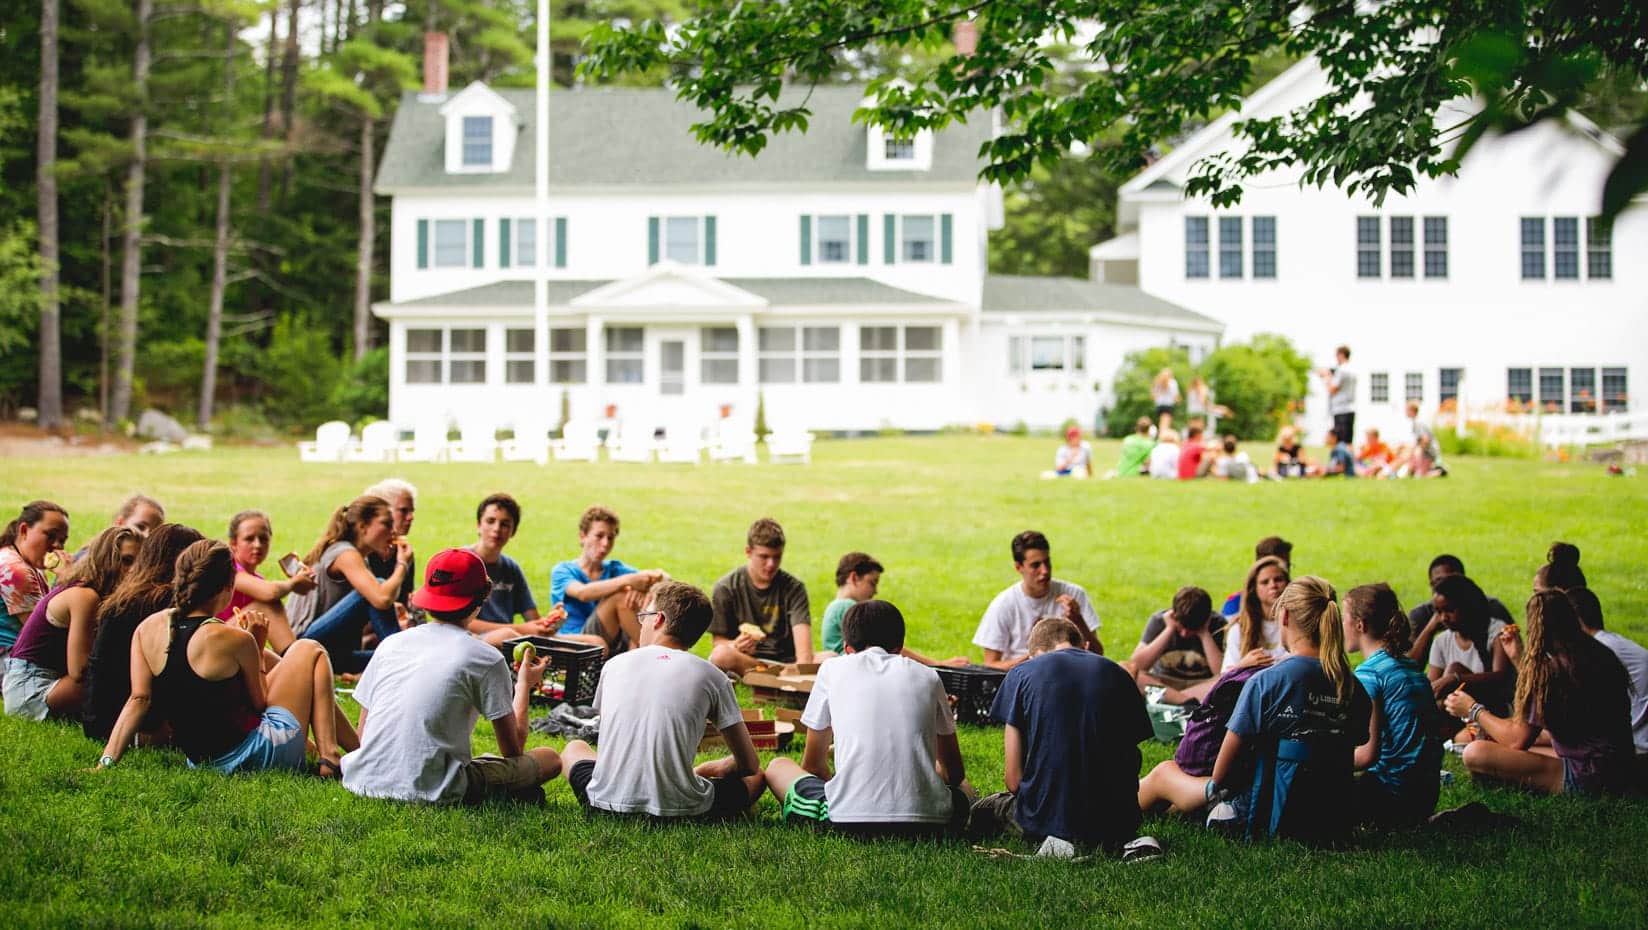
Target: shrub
[(1488, 439), (362, 388), (1258, 381), (300, 372), (1132, 385)]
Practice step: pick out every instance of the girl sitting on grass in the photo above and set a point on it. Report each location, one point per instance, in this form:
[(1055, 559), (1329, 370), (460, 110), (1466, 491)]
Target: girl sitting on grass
[(146, 588), (347, 596), (249, 534), (1299, 722), (205, 678), (1574, 687), (1255, 628), (1462, 648), (46, 672), (1561, 570), (25, 547), (1403, 755)]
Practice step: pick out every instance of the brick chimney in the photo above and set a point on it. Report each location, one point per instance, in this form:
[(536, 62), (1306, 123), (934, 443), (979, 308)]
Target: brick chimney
[(434, 65), (965, 36)]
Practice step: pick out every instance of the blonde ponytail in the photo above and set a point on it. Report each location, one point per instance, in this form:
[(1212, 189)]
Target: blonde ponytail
[(1331, 643), (1313, 609)]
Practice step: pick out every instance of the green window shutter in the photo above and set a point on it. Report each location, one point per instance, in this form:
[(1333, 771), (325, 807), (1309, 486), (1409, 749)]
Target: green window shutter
[(423, 243), (864, 238), (652, 240), (560, 241), (806, 239), (709, 241), (889, 237), (945, 251), (503, 243), (480, 244)]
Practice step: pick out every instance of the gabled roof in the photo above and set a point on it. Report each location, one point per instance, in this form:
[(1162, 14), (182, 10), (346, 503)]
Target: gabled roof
[(1015, 294), (641, 136), (477, 91), (777, 292)]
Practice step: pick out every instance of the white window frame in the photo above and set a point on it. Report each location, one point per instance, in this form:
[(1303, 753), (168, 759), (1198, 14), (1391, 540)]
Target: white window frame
[(515, 356), (454, 357), (904, 239), (902, 355), (1599, 250), (804, 356), (1267, 272), (1413, 387), (1436, 247), (1510, 384), (465, 142), (465, 252), (1444, 393), (895, 149), (1232, 248), (566, 360), (525, 257), (1072, 353), (1559, 403), (1573, 252), (1365, 248), (847, 240), (713, 358), (620, 360), (1202, 249), (1577, 403), (437, 356), (1404, 263), (1604, 403), (699, 240), (1379, 387)]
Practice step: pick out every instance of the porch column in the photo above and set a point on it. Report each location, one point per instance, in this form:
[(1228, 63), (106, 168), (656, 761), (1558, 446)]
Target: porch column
[(595, 350), (748, 367)]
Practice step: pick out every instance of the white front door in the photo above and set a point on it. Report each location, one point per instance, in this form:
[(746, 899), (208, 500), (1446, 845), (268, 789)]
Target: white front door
[(673, 353)]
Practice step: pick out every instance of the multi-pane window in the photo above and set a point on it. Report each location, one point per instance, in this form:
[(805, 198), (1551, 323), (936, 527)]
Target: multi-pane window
[(878, 353), (1401, 247), (1196, 257), (1379, 387), (1447, 384), (1519, 385), (1367, 247), (1599, 249), (624, 353), (477, 141), (821, 354), (923, 354), (919, 239), (1264, 247), (466, 356), (898, 149), (423, 356), (451, 243), (1436, 247), (1046, 353), (1413, 387), (912, 354), (1615, 395), (526, 242), (568, 356), (683, 241), (1565, 248), (1552, 387), (1582, 390), (811, 354), (1230, 247), (835, 239), (1533, 248), (520, 363), (718, 355)]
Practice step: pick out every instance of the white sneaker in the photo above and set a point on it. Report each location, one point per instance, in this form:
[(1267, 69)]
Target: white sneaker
[(1055, 848)]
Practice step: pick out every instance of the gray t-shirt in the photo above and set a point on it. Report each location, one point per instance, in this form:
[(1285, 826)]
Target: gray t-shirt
[(653, 703), (423, 693), (776, 610), (1635, 660), (1445, 649), (1343, 400), (302, 609)]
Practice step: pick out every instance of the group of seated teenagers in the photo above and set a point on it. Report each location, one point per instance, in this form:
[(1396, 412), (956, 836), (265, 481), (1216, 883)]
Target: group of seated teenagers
[(158, 635)]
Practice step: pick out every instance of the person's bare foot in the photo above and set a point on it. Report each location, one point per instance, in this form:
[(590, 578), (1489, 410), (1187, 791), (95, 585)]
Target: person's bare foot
[(349, 678)]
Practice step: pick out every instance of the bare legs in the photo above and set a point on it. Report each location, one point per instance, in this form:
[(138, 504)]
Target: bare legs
[(577, 751), (614, 615), (302, 683), (1168, 784), (731, 661), (1532, 770)]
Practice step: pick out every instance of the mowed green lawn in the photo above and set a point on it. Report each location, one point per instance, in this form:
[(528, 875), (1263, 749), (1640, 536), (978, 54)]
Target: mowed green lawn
[(154, 844)]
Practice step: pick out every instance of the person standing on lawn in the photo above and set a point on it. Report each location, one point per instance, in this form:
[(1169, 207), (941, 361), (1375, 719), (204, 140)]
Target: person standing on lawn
[(761, 611), (653, 701), (898, 766), (600, 595), (1004, 631), (1341, 384), (1073, 724), (424, 692)]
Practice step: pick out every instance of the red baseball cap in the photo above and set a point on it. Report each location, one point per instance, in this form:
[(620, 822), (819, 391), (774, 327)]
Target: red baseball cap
[(455, 579)]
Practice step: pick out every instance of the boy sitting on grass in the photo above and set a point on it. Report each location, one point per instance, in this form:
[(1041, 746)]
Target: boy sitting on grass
[(857, 576), (497, 520), (1074, 722), (423, 692), (898, 764), (1182, 643), (761, 611), (653, 702)]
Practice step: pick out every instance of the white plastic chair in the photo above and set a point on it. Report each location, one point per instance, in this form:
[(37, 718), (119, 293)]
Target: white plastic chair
[(378, 440), (477, 440), (732, 439), (580, 442), (428, 442), (683, 443), (331, 438), (530, 443), (790, 444), (633, 441)]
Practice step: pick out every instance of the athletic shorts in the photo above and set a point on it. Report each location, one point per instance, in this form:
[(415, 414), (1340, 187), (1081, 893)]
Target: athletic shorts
[(731, 797), (806, 802), (492, 777), (277, 743), (26, 687)]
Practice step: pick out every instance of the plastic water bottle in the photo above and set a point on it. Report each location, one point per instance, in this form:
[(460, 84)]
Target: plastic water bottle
[(1446, 778)]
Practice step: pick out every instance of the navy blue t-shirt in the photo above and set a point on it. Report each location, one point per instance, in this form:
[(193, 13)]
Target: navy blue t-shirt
[(1081, 719), (510, 593)]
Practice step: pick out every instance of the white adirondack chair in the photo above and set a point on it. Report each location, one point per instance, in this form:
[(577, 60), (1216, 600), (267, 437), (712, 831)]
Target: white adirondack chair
[(428, 442), (331, 438), (732, 439), (633, 441), (580, 442), (530, 443), (683, 442), (477, 440), (378, 440), (790, 444)]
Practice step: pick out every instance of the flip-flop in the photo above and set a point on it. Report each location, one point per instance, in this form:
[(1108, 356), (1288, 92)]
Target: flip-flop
[(1142, 849)]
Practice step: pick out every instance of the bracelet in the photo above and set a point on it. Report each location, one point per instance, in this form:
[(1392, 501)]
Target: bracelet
[(105, 762), (1475, 712)]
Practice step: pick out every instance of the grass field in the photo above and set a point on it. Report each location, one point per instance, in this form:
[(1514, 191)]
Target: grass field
[(153, 844)]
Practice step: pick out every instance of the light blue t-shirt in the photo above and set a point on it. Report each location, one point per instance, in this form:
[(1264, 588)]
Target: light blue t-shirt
[(578, 612), (1410, 753)]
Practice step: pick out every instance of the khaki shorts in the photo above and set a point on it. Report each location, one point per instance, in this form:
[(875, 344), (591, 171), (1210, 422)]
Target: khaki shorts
[(490, 777)]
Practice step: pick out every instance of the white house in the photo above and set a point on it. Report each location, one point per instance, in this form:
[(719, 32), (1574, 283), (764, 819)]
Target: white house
[(1494, 285), (840, 277)]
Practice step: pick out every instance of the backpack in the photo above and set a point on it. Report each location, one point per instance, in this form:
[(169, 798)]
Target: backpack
[(1205, 727)]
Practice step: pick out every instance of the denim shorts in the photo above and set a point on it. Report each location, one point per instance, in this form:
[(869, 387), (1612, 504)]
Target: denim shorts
[(26, 687), (277, 743)]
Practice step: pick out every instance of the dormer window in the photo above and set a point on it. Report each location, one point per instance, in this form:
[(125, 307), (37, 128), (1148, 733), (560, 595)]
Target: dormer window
[(887, 152), (899, 149), (477, 141)]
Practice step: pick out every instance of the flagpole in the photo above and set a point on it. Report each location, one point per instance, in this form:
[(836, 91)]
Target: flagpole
[(540, 212)]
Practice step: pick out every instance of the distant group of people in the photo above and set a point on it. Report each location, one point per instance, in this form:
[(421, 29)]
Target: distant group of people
[(157, 635)]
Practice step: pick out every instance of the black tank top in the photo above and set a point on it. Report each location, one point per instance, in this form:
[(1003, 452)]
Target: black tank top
[(208, 718)]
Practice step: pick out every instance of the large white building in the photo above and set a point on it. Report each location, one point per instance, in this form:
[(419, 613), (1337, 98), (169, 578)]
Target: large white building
[(1496, 285), (839, 277)]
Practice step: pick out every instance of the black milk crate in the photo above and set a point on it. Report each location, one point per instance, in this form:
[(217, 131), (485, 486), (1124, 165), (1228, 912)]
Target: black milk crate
[(573, 665), (973, 688)]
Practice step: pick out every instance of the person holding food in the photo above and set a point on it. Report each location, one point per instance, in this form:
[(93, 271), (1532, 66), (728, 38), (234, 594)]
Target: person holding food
[(1180, 646), (26, 548), (761, 611), (348, 594), (250, 532), (601, 595)]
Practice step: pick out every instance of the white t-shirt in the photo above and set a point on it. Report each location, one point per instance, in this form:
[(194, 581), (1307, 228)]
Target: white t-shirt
[(653, 703), (423, 693), (1233, 642), (1007, 621), (1635, 659), (1164, 461), (1343, 400), (1445, 649), (886, 712)]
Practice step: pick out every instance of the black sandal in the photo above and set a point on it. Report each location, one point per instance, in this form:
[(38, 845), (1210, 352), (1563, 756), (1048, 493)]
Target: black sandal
[(326, 768)]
